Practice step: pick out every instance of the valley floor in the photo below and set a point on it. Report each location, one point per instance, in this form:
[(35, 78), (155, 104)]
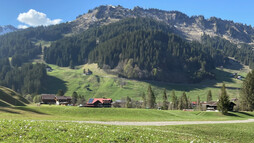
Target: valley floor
[(74, 124)]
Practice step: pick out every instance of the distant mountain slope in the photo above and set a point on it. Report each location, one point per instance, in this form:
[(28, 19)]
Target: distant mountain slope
[(138, 48), (7, 29), (9, 97), (191, 27)]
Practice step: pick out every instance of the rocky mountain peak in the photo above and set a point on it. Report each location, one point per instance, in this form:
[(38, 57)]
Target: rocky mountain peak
[(192, 28)]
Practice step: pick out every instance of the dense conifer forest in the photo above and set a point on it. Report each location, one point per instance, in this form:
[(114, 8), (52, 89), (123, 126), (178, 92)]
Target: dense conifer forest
[(138, 48)]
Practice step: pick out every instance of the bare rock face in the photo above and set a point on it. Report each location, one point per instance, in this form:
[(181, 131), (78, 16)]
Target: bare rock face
[(192, 28), (7, 29)]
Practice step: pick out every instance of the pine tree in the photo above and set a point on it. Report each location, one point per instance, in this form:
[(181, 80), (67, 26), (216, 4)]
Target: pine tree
[(74, 98), (198, 105), (247, 92), (60, 92), (185, 101), (174, 104), (165, 100), (144, 100), (180, 103), (150, 98), (223, 102), (128, 102), (209, 96)]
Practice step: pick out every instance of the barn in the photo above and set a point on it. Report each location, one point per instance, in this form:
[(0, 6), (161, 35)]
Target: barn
[(99, 102)]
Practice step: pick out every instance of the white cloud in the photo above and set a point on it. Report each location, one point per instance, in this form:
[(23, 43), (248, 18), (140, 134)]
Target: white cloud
[(22, 26), (35, 18)]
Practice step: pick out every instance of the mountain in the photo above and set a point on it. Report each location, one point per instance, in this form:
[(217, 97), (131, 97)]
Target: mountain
[(143, 44), (192, 28), (7, 29)]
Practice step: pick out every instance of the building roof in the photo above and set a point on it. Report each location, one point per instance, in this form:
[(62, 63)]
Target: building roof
[(63, 98), (102, 100), (48, 96)]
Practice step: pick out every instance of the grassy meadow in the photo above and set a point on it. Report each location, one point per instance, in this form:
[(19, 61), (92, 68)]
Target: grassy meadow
[(54, 112), (102, 84), (54, 124), (53, 131)]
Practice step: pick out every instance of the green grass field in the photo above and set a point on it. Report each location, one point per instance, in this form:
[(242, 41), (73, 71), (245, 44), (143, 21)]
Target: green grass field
[(47, 112), (54, 124), (102, 84), (53, 131)]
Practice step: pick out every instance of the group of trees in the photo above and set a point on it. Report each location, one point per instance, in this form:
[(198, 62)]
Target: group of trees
[(244, 54), (78, 99), (27, 79)]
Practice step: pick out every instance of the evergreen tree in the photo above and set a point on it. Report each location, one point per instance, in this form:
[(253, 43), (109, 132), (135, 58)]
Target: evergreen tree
[(60, 92), (185, 101), (174, 103), (74, 98), (247, 92), (144, 100), (198, 105), (151, 99), (180, 103), (81, 100), (223, 103), (165, 100), (128, 102), (209, 96)]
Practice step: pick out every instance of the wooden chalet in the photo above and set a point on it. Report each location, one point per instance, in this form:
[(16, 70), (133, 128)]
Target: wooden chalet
[(63, 100), (212, 106), (99, 102), (48, 99), (53, 99)]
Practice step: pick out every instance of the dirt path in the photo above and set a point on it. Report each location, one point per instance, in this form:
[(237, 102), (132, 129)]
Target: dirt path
[(165, 123)]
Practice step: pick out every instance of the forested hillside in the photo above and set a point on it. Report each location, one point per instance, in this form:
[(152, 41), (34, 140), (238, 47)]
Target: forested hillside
[(136, 44), (29, 78), (138, 48), (241, 52)]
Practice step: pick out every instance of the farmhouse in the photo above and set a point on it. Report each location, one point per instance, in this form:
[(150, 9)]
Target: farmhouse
[(212, 106), (99, 102), (48, 99), (63, 100), (53, 99)]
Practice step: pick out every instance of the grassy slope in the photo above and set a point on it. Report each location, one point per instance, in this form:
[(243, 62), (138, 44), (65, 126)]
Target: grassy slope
[(101, 84), (113, 114), (9, 97)]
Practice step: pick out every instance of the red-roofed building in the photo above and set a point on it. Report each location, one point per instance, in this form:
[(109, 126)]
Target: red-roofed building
[(99, 102)]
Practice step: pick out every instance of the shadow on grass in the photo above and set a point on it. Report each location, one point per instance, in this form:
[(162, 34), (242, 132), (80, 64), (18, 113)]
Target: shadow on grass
[(9, 111), (30, 110), (234, 65), (221, 76), (53, 84), (232, 115), (247, 114)]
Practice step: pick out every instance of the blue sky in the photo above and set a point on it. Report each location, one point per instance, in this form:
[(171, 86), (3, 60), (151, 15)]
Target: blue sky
[(55, 11)]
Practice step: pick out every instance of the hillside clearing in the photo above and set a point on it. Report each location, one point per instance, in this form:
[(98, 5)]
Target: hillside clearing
[(102, 84)]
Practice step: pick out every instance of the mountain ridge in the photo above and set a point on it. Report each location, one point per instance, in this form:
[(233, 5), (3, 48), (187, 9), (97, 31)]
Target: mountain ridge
[(192, 27)]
